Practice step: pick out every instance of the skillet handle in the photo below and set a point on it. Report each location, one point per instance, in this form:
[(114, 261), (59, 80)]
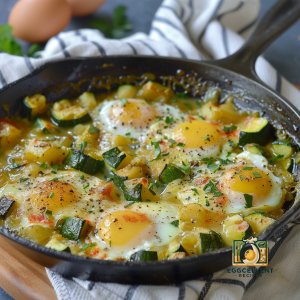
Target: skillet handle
[(280, 17)]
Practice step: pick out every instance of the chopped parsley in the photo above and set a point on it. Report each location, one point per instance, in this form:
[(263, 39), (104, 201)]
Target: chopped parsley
[(43, 165), (14, 165), (50, 139), (241, 177), (109, 243), (238, 171), (81, 176), (172, 141), (90, 211), (231, 143), (86, 186), (247, 168), (186, 128), (188, 106), (195, 190), (150, 103), (123, 102), (199, 104), (23, 179), (157, 148), (206, 159), (225, 161), (133, 139), (56, 167), (256, 175), (182, 95), (127, 133), (228, 154), (213, 167), (207, 202), (201, 117), (248, 199), (165, 154), (56, 178), (49, 212), (175, 223), (51, 195), (165, 137), (173, 100), (229, 129), (206, 138), (129, 204), (273, 159), (170, 120), (53, 172), (186, 168), (180, 145), (88, 246), (211, 188), (93, 129)]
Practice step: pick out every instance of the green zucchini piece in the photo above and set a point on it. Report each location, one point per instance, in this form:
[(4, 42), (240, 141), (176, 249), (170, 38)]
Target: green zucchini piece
[(83, 162), (235, 227), (144, 255), (212, 95), (216, 240), (127, 91), (259, 221), (32, 106), (134, 194), (289, 164), (209, 241), (5, 206), (68, 123), (170, 173), (175, 247), (87, 99), (283, 147), (113, 158), (257, 131), (205, 242), (256, 149), (72, 227), (44, 126)]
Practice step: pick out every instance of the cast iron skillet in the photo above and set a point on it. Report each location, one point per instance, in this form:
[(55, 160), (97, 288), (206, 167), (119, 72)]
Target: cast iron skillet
[(55, 79)]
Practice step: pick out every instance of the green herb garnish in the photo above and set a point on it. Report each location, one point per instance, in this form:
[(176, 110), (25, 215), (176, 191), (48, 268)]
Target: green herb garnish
[(247, 168), (43, 165), (229, 129), (175, 223), (93, 129), (206, 138), (231, 143), (180, 145), (123, 102), (256, 175), (182, 95), (88, 246), (14, 165), (23, 179), (86, 186), (51, 195), (241, 177), (150, 103), (248, 199), (83, 145), (129, 204), (157, 148), (185, 167), (195, 190), (128, 133), (273, 159), (211, 188), (188, 106), (170, 120)]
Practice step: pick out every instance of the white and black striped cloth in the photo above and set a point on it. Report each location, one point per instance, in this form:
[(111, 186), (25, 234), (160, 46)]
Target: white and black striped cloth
[(194, 29)]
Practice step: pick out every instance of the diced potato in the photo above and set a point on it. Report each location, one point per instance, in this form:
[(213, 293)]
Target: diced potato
[(88, 100), (131, 172), (154, 91), (90, 138), (37, 233), (125, 161), (127, 91), (121, 141), (194, 215), (9, 133), (40, 151)]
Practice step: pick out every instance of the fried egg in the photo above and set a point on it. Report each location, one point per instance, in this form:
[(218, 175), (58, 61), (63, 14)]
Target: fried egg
[(249, 175), (132, 117), (138, 226)]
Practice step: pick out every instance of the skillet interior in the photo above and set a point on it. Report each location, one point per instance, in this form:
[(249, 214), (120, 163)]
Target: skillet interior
[(60, 79)]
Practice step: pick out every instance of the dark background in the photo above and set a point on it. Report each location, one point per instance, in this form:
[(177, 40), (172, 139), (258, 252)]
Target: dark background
[(283, 54)]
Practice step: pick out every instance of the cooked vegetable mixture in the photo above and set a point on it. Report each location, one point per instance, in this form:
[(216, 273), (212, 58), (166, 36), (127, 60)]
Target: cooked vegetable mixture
[(142, 173)]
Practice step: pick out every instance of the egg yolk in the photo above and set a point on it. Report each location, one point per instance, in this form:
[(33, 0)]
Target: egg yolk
[(197, 134), (249, 254), (135, 113), (122, 227), (53, 195), (254, 181)]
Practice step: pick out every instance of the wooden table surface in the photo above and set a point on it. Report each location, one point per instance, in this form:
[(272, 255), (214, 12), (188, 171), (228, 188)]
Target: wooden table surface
[(21, 277)]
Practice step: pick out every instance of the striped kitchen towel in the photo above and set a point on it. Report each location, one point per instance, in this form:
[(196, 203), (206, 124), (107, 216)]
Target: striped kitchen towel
[(198, 30)]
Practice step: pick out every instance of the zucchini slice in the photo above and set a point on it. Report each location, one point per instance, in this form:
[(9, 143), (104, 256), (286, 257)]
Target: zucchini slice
[(283, 147), (256, 149), (127, 91), (235, 227), (257, 131), (44, 126), (5, 206), (259, 222), (170, 173), (32, 106), (144, 255), (63, 114), (209, 241), (56, 245), (114, 157), (83, 162), (72, 227), (289, 164)]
